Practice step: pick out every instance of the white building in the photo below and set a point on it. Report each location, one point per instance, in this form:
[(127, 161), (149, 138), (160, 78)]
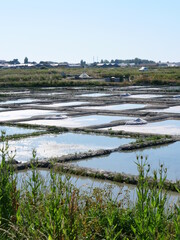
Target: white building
[(143, 69), (84, 76)]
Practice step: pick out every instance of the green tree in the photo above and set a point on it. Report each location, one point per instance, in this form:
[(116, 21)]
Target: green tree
[(14, 61), (26, 60)]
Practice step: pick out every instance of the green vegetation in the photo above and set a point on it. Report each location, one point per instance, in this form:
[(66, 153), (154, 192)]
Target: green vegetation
[(55, 77), (56, 209), (41, 130), (25, 135), (153, 140)]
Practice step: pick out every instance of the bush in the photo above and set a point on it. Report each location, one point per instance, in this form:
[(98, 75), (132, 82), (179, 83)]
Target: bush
[(9, 195)]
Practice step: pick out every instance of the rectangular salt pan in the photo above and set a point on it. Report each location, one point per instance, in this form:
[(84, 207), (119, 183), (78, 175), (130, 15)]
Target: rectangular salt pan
[(116, 107), (16, 130), (63, 104), (21, 114), (80, 121), (95, 95), (120, 191), (125, 161), (145, 96), (53, 145), (169, 127), (175, 109), (28, 100)]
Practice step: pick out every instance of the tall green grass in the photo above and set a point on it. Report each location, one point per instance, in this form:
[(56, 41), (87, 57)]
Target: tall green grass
[(53, 77), (56, 209)]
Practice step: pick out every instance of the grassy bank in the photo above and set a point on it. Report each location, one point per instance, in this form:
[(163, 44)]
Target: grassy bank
[(53, 77), (36, 209)]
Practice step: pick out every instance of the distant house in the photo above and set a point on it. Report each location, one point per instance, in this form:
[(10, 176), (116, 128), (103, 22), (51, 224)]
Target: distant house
[(3, 64), (102, 65), (113, 79), (143, 69), (161, 64), (84, 76), (123, 64), (172, 65), (2, 61), (63, 64), (74, 65), (107, 65)]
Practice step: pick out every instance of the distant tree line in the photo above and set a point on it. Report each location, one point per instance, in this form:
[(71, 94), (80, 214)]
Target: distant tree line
[(14, 61), (137, 61)]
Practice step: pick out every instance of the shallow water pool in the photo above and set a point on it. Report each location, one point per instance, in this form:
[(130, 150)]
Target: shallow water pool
[(27, 100), (16, 130), (85, 184), (84, 121), (125, 161), (94, 95), (56, 145), (126, 193), (125, 106), (22, 114), (63, 104), (169, 127), (145, 96), (175, 109)]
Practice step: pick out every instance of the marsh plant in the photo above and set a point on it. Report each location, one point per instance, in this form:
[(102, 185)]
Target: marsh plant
[(9, 195), (56, 209)]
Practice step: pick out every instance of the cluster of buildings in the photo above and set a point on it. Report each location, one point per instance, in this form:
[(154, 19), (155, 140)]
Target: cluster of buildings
[(49, 64)]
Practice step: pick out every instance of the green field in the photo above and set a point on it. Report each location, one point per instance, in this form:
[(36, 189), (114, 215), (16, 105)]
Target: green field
[(53, 76)]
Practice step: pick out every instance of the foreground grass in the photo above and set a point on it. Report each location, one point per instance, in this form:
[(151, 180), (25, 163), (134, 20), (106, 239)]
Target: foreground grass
[(58, 210)]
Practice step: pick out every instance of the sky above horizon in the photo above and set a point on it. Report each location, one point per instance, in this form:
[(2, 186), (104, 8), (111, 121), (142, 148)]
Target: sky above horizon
[(71, 30)]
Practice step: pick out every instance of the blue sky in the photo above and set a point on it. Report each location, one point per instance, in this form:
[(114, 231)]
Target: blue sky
[(71, 30)]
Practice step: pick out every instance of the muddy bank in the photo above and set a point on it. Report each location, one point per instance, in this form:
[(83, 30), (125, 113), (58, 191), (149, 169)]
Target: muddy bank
[(111, 176), (145, 144), (65, 158), (85, 155)]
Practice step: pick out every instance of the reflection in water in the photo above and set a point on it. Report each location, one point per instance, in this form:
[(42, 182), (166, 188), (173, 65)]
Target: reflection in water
[(16, 130), (122, 192), (25, 100), (95, 95), (124, 161), (125, 106), (169, 127), (81, 121), (56, 145), (21, 114)]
